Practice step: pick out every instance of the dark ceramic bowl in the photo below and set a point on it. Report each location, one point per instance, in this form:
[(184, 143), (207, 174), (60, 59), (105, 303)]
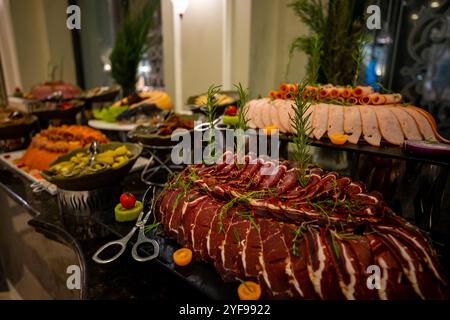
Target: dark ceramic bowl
[(98, 179)]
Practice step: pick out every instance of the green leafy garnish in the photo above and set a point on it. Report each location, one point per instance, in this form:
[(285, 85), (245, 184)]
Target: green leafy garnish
[(302, 127), (151, 227)]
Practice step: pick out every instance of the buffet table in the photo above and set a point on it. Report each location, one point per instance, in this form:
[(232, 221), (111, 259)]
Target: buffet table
[(124, 278)]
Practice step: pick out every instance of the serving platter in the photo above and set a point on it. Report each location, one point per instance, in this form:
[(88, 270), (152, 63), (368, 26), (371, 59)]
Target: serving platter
[(9, 159), (111, 126)]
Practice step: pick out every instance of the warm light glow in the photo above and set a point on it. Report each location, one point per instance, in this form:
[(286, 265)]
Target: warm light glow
[(414, 16), (144, 69), (435, 4), (106, 67), (180, 6)]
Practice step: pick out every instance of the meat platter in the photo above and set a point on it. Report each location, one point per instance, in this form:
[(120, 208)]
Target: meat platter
[(312, 242), (372, 118)]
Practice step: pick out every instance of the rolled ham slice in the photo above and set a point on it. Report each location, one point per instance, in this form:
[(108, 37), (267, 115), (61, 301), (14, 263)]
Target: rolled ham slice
[(324, 93), (352, 100), (377, 99), (369, 122), (334, 93), (360, 91), (352, 124), (345, 92), (389, 126), (335, 120), (407, 123), (393, 98), (424, 126), (320, 121)]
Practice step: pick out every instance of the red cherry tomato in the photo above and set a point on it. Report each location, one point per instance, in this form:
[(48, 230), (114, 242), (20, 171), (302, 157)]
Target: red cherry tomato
[(231, 111), (127, 200)]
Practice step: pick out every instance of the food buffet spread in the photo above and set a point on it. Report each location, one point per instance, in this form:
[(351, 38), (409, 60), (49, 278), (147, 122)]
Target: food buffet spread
[(276, 228)]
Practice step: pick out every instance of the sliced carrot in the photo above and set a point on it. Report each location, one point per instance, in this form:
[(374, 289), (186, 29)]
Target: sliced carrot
[(338, 139), (249, 290), (182, 257)]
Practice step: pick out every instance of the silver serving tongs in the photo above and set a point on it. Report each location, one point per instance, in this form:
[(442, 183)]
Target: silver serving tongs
[(142, 238)]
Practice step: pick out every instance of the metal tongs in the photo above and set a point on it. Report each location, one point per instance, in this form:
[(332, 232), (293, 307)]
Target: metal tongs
[(142, 238)]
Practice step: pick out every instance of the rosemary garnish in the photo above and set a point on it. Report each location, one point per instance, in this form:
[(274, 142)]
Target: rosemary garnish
[(245, 285), (244, 198), (334, 245), (242, 112), (297, 234), (211, 102), (302, 126), (249, 216), (236, 236), (151, 227)]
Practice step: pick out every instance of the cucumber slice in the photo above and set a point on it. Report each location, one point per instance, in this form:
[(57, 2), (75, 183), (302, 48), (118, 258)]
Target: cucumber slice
[(123, 214), (230, 120)]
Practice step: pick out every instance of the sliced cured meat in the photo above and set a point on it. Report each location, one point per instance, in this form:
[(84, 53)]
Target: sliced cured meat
[(266, 111), (352, 124), (369, 122), (389, 126), (285, 113), (424, 126), (274, 114), (407, 123), (335, 120), (320, 120), (317, 238)]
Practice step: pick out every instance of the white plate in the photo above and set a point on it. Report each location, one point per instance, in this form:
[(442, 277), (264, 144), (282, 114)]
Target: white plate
[(103, 125), (41, 184)]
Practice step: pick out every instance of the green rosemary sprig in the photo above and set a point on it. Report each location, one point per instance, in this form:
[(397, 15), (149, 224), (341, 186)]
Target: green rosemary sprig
[(248, 216), (211, 102), (151, 227), (300, 122), (334, 245), (358, 55), (242, 112)]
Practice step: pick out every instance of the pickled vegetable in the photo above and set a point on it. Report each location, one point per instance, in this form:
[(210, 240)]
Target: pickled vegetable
[(79, 164)]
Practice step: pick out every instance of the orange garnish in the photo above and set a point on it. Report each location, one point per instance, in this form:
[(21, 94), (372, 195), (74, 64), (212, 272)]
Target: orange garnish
[(269, 130), (249, 290), (284, 87), (182, 257), (338, 139), (273, 94)]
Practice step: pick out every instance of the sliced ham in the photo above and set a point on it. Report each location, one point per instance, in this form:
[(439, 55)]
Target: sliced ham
[(266, 111), (407, 123), (352, 124), (257, 112), (274, 115), (424, 126), (250, 114), (320, 120), (283, 115), (335, 120), (369, 122), (389, 126)]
